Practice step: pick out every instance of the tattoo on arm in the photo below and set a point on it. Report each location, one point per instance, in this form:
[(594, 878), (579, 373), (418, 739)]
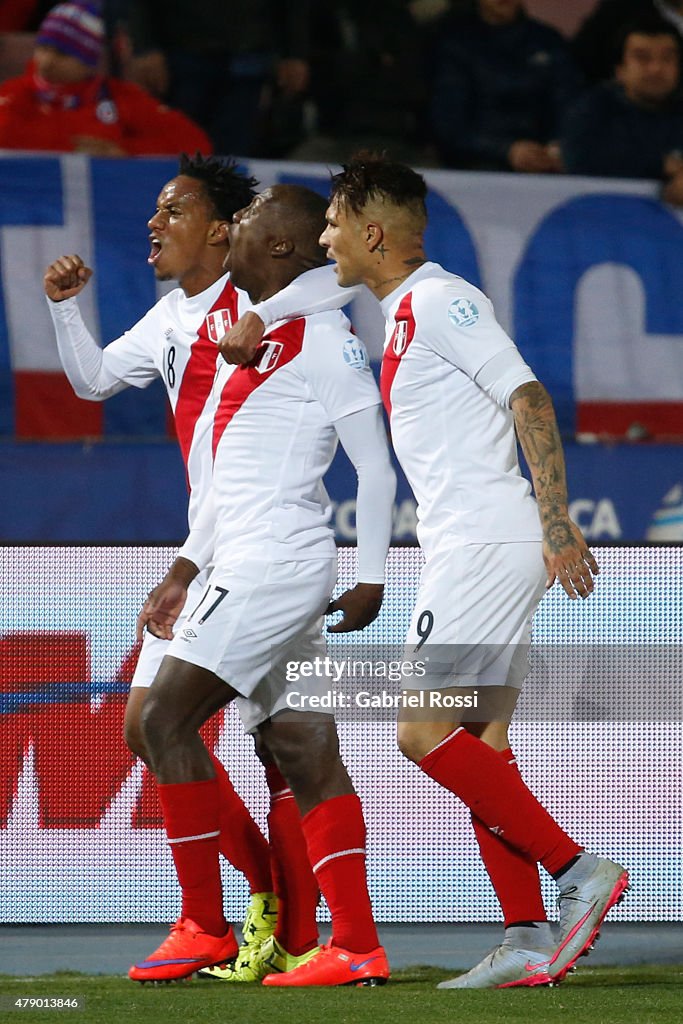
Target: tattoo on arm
[(539, 437)]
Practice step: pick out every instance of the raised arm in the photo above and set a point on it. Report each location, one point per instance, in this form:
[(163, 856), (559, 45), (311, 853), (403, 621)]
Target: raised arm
[(82, 359), (565, 551)]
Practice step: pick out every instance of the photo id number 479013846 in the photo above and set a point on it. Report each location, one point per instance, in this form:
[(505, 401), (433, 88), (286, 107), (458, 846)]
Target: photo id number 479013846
[(11, 1002)]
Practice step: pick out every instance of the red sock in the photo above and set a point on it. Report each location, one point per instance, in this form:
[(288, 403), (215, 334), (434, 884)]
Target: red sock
[(191, 816), (295, 884), (241, 841), (335, 836), (514, 875), (496, 794)]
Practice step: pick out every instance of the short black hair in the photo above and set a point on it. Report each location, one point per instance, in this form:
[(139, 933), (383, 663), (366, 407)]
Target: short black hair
[(647, 24), (227, 188), (370, 175), (307, 210)]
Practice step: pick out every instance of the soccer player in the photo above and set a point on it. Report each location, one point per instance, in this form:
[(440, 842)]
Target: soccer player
[(265, 525), (456, 390), (177, 342)]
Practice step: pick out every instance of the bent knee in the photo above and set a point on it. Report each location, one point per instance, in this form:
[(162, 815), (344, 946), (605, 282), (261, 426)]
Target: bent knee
[(410, 746), (304, 754), (155, 726), (416, 739), (132, 728), (132, 735)]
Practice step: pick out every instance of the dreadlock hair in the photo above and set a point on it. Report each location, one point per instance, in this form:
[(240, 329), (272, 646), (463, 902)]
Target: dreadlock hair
[(369, 176), (227, 188)]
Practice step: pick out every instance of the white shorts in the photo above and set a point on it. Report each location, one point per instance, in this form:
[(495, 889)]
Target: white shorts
[(253, 619), (153, 648), (471, 625)]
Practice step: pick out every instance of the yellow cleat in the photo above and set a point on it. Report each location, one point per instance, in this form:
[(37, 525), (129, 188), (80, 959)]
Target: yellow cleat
[(270, 958), (258, 927), (261, 919)]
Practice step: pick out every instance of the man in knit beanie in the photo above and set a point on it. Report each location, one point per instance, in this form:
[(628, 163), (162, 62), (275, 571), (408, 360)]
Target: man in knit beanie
[(64, 103), (75, 29)]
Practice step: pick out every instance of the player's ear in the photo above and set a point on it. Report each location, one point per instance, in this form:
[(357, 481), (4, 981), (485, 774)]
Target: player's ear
[(218, 232), (373, 236), (281, 247)]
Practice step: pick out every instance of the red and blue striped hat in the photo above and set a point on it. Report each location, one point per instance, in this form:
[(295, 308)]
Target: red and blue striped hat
[(76, 29)]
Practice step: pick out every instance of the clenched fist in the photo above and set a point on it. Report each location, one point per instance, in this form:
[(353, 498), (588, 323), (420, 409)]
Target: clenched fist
[(65, 278)]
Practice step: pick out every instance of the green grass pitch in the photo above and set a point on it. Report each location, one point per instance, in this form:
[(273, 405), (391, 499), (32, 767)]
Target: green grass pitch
[(635, 995)]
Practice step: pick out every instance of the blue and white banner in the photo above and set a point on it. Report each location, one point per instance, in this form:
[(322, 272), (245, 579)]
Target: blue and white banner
[(584, 273)]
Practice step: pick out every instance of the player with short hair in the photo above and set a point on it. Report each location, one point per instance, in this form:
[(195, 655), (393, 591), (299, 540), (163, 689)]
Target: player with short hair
[(177, 342), (457, 389), (266, 528)]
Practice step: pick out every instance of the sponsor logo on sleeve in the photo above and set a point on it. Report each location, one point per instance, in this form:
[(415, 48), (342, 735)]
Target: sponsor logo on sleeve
[(463, 313), (355, 354)]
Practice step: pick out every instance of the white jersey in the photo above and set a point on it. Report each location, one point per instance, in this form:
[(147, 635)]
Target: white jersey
[(456, 444), (274, 439), (176, 340)]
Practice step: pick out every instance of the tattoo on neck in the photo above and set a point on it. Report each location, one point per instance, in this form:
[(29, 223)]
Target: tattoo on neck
[(382, 250)]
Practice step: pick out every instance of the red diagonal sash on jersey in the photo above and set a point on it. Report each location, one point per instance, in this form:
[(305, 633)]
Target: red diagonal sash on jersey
[(200, 371), (397, 348), (278, 349)]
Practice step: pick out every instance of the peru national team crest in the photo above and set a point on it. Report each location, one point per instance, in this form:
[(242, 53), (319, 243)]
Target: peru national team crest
[(218, 323), (400, 338), (463, 313), (272, 350)]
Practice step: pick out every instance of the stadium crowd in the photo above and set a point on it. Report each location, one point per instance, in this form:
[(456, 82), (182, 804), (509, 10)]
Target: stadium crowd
[(465, 84)]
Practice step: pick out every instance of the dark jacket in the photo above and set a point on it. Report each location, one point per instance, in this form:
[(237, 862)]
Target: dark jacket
[(495, 85), (605, 134)]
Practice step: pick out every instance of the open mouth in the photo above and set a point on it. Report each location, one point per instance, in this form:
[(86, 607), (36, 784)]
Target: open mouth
[(155, 251)]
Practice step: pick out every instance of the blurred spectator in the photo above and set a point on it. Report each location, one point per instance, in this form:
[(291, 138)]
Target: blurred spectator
[(596, 43), (214, 59), (501, 83), (64, 104), (366, 78), (632, 127)]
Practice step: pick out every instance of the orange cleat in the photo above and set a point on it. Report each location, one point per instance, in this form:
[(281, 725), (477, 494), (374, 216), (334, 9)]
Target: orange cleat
[(186, 950), (336, 966)]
